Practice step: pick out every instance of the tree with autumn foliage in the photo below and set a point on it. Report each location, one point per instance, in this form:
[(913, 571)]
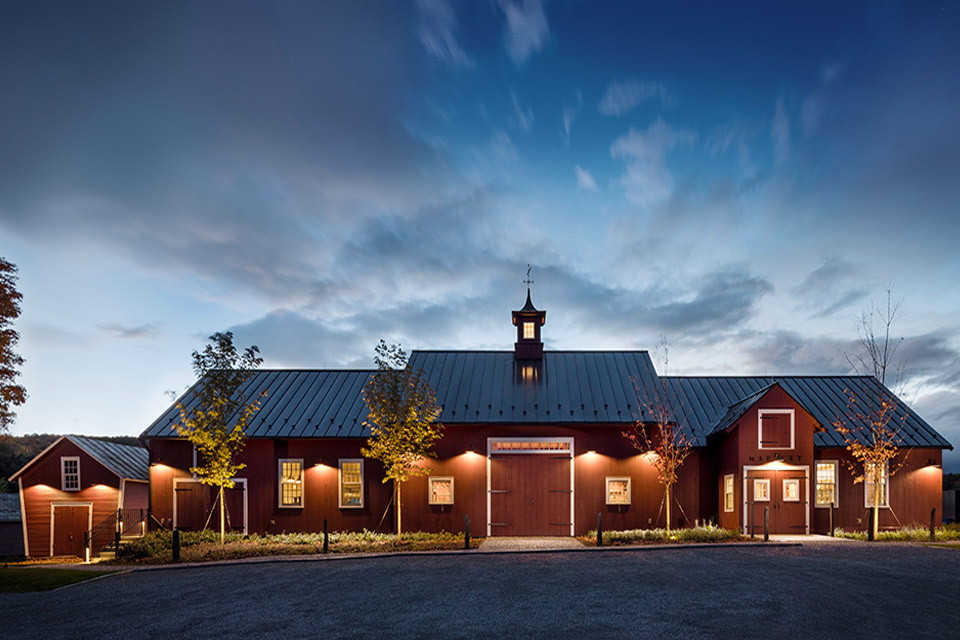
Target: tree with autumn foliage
[(215, 418), (402, 419), (871, 426), (663, 439), (11, 393)]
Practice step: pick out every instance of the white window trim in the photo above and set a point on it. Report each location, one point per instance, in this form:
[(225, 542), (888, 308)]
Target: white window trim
[(793, 430), (757, 481), (731, 479), (885, 501), (783, 494), (610, 479), (340, 484), (430, 482), (63, 472), (836, 483), (281, 482)]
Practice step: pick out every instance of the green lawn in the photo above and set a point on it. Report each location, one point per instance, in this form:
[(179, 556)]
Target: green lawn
[(25, 579)]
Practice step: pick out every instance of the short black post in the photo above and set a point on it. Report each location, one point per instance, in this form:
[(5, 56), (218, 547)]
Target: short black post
[(832, 506), (766, 524), (870, 526), (176, 545), (466, 532), (750, 506), (933, 524), (599, 528), (326, 537), (116, 540)]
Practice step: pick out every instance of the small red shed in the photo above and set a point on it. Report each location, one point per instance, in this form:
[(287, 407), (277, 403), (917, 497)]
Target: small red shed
[(79, 493)]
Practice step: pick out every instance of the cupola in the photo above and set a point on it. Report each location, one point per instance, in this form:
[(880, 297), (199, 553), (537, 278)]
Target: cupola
[(528, 322)]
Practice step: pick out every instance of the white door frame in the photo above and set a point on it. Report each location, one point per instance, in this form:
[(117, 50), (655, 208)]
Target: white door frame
[(242, 481), (63, 503), (569, 451), (779, 466)]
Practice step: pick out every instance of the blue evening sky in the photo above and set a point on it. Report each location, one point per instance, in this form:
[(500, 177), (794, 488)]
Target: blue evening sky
[(742, 178)]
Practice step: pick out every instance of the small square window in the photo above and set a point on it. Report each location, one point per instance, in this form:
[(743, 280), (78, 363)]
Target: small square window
[(728, 493), (775, 429), (351, 484), (791, 490), (291, 482), (70, 473), (618, 490), (441, 490), (761, 490)]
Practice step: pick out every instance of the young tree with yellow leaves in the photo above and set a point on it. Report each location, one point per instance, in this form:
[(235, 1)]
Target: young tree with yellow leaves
[(217, 418), (402, 419)]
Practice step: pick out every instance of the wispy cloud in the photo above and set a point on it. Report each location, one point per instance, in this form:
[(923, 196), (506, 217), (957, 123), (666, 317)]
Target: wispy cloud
[(828, 289), (570, 113), (585, 180), (526, 31), (438, 33), (624, 96), (647, 179), (150, 330), (780, 133), (522, 117)]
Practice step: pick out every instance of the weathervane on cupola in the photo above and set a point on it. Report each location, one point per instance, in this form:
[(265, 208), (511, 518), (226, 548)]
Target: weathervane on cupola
[(528, 321)]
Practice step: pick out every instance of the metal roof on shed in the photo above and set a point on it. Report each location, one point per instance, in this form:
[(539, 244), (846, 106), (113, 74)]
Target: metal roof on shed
[(298, 404), (491, 387), (123, 459)]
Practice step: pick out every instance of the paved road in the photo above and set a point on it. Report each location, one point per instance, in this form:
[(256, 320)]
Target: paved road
[(829, 591)]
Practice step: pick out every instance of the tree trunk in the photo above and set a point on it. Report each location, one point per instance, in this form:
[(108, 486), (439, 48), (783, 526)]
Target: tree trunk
[(668, 509), (396, 485), (875, 524), (223, 521)]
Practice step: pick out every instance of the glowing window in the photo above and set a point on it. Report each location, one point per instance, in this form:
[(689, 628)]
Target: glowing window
[(876, 475), (291, 482), (728, 493), (827, 483), (70, 473), (441, 490), (528, 333), (791, 490), (761, 490), (351, 484), (618, 490)]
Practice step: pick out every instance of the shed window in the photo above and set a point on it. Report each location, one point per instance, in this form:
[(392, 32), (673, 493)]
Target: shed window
[(441, 490), (761, 490), (776, 429), (728, 493), (876, 478), (70, 473), (791, 490), (291, 482), (528, 333), (618, 490), (351, 484), (827, 483)]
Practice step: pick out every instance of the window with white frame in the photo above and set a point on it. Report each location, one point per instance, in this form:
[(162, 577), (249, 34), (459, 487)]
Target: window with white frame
[(70, 473), (291, 482), (761, 490), (876, 475), (441, 490), (791, 490), (351, 483), (528, 333), (618, 490), (775, 429), (827, 483), (728, 493)]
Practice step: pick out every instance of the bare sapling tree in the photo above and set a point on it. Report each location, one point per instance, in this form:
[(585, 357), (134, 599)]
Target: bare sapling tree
[(11, 393), (402, 419), (215, 419), (662, 436), (872, 424)]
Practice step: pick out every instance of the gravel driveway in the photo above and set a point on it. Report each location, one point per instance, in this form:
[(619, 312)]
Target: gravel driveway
[(831, 591)]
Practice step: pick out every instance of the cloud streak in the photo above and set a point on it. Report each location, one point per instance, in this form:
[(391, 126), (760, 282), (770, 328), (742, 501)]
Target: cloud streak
[(623, 96)]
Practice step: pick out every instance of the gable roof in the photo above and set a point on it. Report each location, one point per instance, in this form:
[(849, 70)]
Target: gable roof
[(126, 461)]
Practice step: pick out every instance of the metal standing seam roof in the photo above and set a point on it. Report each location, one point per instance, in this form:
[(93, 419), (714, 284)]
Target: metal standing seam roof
[(126, 461)]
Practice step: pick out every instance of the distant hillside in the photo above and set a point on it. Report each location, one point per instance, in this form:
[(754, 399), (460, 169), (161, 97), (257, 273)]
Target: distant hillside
[(16, 451)]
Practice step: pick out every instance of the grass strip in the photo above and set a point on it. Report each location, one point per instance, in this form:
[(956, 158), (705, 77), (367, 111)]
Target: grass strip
[(29, 579)]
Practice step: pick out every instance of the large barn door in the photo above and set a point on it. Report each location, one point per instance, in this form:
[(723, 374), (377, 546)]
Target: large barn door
[(194, 501), (530, 488), (70, 523), (783, 490)]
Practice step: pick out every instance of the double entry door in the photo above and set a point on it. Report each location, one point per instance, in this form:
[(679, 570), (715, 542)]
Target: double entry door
[(783, 493)]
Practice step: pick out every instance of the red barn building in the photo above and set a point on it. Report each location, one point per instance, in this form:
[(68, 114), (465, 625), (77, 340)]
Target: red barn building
[(76, 492), (534, 445)]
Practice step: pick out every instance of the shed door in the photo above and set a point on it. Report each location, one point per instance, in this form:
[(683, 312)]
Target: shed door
[(530, 495), (69, 526), (195, 501)]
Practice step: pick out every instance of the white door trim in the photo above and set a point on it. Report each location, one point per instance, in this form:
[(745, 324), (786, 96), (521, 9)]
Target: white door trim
[(242, 481), (66, 503), (569, 451), (778, 467)]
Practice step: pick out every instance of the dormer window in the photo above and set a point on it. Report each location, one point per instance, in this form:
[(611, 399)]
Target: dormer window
[(528, 331)]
